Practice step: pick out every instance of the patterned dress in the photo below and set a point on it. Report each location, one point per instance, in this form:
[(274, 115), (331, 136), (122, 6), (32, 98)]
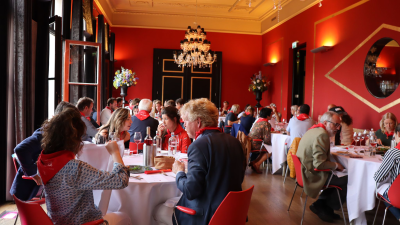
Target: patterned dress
[(389, 167), (260, 130), (69, 195)]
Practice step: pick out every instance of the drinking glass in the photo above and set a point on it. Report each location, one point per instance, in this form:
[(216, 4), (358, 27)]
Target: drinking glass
[(101, 140), (355, 138), (373, 143), (351, 148), (362, 137), (111, 136), (137, 138)]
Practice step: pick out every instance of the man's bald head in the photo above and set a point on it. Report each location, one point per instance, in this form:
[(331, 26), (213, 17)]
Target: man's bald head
[(331, 106)]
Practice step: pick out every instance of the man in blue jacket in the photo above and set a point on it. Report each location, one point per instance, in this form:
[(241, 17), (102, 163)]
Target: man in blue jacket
[(28, 152), (215, 164)]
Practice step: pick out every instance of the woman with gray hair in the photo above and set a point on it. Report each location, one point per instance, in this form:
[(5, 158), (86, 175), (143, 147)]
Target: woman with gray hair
[(231, 118)]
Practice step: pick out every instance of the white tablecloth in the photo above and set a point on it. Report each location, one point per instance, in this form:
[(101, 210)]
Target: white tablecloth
[(278, 150), (361, 185), (221, 118), (141, 196)]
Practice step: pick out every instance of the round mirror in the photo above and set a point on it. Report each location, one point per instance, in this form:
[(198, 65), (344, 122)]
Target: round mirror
[(381, 72)]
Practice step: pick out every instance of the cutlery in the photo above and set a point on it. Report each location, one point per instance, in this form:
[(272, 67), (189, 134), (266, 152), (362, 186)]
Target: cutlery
[(163, 173)]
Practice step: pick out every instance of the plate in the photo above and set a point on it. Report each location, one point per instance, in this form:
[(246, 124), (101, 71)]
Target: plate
[(138, 169)]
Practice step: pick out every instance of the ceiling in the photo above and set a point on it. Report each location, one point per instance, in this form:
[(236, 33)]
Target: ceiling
[(229, 16)]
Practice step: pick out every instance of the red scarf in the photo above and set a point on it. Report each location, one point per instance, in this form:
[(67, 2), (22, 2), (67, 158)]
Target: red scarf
[(110, 109), (247, 113), (131, 107), (318, 125), (206, 128), (302, 117), (261, 120), (389, 134), (49, 164), (229, 112), (142, 115), (181, 120), (87, 117)]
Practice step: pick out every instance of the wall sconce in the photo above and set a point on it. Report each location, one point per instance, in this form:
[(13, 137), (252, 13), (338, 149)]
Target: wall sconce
[(321, 49), (269, 64)]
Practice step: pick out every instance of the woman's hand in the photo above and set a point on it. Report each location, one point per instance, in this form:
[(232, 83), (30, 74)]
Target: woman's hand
[(161, 128), (378, 141), (113, 150)]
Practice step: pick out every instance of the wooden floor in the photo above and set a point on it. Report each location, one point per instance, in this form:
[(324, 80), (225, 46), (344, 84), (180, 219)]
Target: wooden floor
[(269, 204)]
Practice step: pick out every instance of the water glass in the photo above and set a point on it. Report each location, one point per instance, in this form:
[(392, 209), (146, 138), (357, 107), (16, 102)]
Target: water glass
[(101, 140), (367, 152), (111, 136), (373, 152), (351, 147)]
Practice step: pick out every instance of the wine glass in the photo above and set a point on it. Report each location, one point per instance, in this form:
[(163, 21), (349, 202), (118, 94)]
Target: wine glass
[(137, 138), (355, 138), (373, 142), (362, 137)]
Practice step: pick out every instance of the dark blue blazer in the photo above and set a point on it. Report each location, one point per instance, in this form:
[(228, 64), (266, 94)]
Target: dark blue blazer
[(247, 122), (215, 167), (141, 125), (28, 152)]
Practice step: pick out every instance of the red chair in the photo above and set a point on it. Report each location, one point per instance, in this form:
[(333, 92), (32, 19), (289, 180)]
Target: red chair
[(232, 210), (261, 150), (31, 213), (299, 178), (394, 198), (133, 147)]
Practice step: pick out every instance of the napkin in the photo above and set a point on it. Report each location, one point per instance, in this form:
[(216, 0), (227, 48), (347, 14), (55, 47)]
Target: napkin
[(156, 171)]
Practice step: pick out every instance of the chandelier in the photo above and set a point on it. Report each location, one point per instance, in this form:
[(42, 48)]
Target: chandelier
[(370, 68), (195, 49)]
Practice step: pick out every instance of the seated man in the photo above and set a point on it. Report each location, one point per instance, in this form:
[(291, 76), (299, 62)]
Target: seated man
[(28, 152), (215, 166), (119, 102), (85, 107), (299, 124), (314, 153), (108, 110), (142, 120)]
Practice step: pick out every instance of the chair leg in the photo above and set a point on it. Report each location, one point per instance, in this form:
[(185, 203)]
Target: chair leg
[(16, 219), (292, 197), (376, 213), (304, 210), (287, 168), (302, 193), (341, 206), (384, 216)]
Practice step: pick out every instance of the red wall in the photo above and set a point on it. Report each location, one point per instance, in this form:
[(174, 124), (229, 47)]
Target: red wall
[(241, 57), (345, 31)]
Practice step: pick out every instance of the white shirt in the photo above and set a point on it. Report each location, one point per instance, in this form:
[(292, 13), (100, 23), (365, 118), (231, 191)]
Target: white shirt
[(105, 115), (298, 128)]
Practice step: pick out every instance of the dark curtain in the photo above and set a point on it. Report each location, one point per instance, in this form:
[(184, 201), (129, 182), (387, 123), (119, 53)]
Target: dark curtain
[(23, 37)]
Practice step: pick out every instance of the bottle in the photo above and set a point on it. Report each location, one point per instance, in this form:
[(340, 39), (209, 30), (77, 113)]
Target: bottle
[(157, 142), (148, 151), (393, 143), (147, 140), (172, 144)]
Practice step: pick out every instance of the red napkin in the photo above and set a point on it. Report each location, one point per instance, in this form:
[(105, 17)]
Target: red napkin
[(156, 171)]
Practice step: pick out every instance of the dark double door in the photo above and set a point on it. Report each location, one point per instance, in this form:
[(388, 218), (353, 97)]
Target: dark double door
[(173, 82)]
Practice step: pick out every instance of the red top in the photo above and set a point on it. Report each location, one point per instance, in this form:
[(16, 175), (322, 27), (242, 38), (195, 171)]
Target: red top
[(49, 164), (182, 136)]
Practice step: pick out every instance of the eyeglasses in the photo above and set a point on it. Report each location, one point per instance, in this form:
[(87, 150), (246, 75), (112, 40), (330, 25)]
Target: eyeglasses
[(337, 125)]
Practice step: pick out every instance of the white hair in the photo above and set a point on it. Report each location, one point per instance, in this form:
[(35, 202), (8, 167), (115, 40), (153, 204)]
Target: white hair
[(145, 104), (327, 116)]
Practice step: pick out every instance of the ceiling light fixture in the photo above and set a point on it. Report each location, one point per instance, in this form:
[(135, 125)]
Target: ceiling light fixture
[(195, 48)]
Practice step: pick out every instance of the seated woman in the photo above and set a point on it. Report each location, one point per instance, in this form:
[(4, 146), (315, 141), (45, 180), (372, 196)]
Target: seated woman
[(247, 119), (389, 169), (293, 110), (231, 118), (119, 122), (387, 125), (225, 108), (261, 130), (170, 123), (69, 182), (156, 110)]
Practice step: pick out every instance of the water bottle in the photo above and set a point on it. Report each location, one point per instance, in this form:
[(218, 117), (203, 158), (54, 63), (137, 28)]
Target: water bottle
[(393, 143), (172, 144), (157, 142)]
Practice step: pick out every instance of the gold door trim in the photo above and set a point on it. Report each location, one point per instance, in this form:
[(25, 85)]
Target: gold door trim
[(162, 93), (191, 85), (170, 71), (327, 75), (203, 72)]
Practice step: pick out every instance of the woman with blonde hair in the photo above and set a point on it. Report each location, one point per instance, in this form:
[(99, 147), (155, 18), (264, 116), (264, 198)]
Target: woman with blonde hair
[(387, 125), (119, 122), (156, 110), (231, 118), (247, 119)]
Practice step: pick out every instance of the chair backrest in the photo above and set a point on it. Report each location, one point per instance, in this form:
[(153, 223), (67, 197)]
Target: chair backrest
[(31, 213), (15, 161), (233, 209), (297, 167), (394, 192)]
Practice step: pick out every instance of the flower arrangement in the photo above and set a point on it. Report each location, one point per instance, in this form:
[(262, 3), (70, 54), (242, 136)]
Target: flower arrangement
[(125, 77), (258, 82)]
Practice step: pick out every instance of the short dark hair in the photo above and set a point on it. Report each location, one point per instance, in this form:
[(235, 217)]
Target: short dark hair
[(265, 112), (172, 112), (180, 101), (226, 102), (119, 99), (111, 101), (63, 105), (83, 102), (305, 109), (136, 101)]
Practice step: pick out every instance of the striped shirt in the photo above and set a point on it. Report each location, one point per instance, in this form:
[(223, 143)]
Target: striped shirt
[(389, 167)]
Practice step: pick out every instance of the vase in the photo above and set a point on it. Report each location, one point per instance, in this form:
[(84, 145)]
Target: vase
[(124, 90), (258, 97)]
